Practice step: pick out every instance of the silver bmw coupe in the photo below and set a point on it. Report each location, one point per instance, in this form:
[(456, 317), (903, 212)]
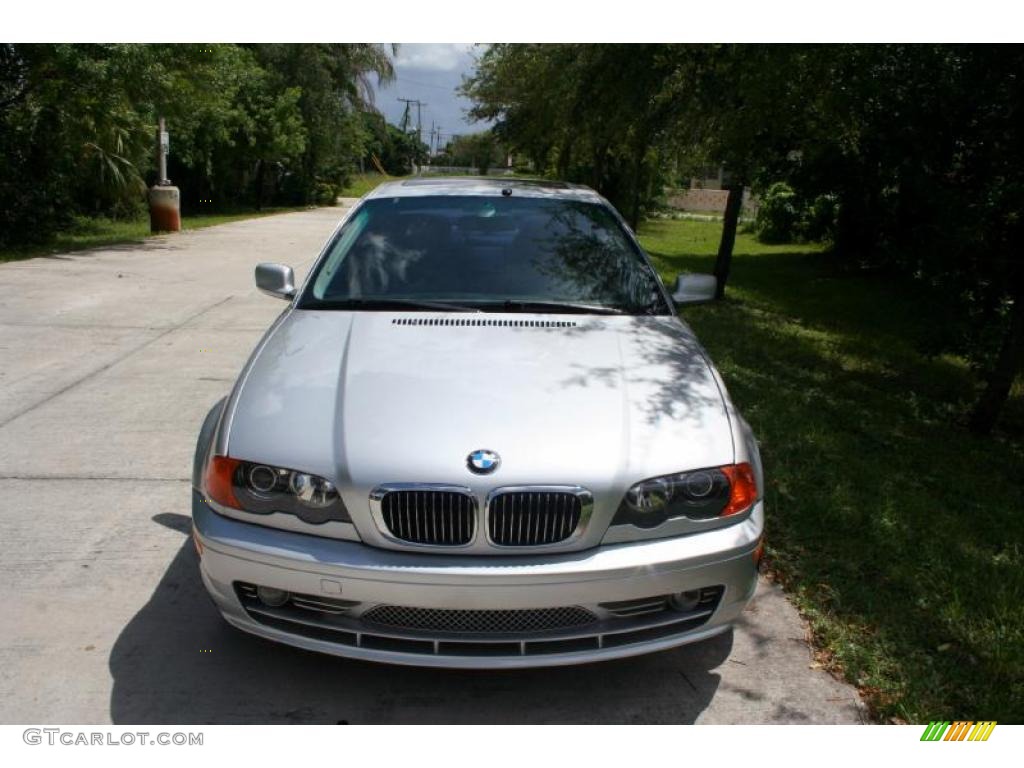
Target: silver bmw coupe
[(479, 435)]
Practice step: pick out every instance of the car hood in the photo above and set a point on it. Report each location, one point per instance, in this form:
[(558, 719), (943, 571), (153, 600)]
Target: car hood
[(366, 398)]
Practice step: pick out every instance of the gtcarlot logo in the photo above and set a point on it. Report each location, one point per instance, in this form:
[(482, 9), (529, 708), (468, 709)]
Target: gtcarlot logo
[(959, 731), (71, 738)]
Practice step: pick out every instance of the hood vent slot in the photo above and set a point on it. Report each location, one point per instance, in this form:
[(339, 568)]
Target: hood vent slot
[(482, 322)]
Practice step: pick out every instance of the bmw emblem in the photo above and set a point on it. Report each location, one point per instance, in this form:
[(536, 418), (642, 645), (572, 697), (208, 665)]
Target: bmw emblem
[(483, 462)]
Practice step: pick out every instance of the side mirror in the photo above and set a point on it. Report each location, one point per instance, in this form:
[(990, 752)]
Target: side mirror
[(694, 289), (276, 280)]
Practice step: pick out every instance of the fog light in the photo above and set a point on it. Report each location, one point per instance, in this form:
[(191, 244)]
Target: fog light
[(274, 598), (684, 602)]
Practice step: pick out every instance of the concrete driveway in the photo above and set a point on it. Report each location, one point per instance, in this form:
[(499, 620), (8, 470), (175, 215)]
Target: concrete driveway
[(109, 359)]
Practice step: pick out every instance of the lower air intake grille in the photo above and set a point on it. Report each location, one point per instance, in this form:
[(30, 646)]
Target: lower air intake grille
[(533, 518), (442, 518), (482, 622)]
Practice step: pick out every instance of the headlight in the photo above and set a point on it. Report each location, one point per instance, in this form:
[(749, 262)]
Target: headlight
[(702, 494), (264, 489)]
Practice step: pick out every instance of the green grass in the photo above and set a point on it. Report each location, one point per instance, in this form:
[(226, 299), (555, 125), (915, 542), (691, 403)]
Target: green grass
[(365, 182), (897, 533), (98, 232)]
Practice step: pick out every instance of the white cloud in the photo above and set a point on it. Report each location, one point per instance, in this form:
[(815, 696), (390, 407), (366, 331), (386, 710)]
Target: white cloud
[(433, 56)]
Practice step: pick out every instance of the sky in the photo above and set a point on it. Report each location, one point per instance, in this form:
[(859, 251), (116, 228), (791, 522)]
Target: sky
[(430, 72)]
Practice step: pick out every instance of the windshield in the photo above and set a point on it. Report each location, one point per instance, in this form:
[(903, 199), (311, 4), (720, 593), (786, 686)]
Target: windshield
[(487, 253)]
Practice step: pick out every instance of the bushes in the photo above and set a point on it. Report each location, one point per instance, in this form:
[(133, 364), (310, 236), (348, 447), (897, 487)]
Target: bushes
[(325, 193), (784, 217), (778, 215)]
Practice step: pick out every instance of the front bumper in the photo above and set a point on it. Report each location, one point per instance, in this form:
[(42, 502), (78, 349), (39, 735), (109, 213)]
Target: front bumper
[(359, 577)]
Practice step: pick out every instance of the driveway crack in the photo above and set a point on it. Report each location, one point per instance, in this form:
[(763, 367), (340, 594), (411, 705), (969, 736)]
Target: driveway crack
[(107, 366)]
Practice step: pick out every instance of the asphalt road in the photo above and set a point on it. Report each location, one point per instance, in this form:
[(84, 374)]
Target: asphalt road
[(109, 359)]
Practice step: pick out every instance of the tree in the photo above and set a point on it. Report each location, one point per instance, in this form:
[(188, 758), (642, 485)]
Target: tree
[(584, 113), (911, 156), (922, 146), (248, 124), (734, 106), (397, 150), (70, 138), (335, 81), (272, 134), (476, 150)]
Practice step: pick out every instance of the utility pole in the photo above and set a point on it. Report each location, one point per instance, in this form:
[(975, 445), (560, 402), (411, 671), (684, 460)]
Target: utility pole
[(419, 116), (404, 122), (162, 147)]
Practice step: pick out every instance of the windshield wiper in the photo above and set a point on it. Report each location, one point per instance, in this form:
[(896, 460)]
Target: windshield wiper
[(389, 303), (511, 305)]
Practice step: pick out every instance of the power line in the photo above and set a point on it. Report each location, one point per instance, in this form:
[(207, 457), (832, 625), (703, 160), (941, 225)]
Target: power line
[(447, 88)]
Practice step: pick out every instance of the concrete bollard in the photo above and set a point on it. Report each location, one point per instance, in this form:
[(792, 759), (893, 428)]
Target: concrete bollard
[(164, 209)]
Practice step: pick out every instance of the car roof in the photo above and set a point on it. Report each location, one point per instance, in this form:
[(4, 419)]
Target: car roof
[(484, 186)]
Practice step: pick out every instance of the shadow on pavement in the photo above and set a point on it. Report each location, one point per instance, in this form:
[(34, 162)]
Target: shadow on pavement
[(178, 661)]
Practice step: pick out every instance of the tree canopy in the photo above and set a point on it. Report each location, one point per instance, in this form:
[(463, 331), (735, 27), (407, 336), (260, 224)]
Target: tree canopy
[(249, 124), (906, 158)]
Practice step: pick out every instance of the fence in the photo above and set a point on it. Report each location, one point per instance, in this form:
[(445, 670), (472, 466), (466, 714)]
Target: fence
[(708, 200)]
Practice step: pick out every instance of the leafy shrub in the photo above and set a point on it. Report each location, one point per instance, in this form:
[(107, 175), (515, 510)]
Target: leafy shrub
[(779, 215), (785, 217), (819, 220), (325, 193)]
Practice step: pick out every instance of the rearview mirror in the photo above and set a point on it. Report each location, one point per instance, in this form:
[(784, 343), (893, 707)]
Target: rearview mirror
[(276, 280), (694, 289)]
